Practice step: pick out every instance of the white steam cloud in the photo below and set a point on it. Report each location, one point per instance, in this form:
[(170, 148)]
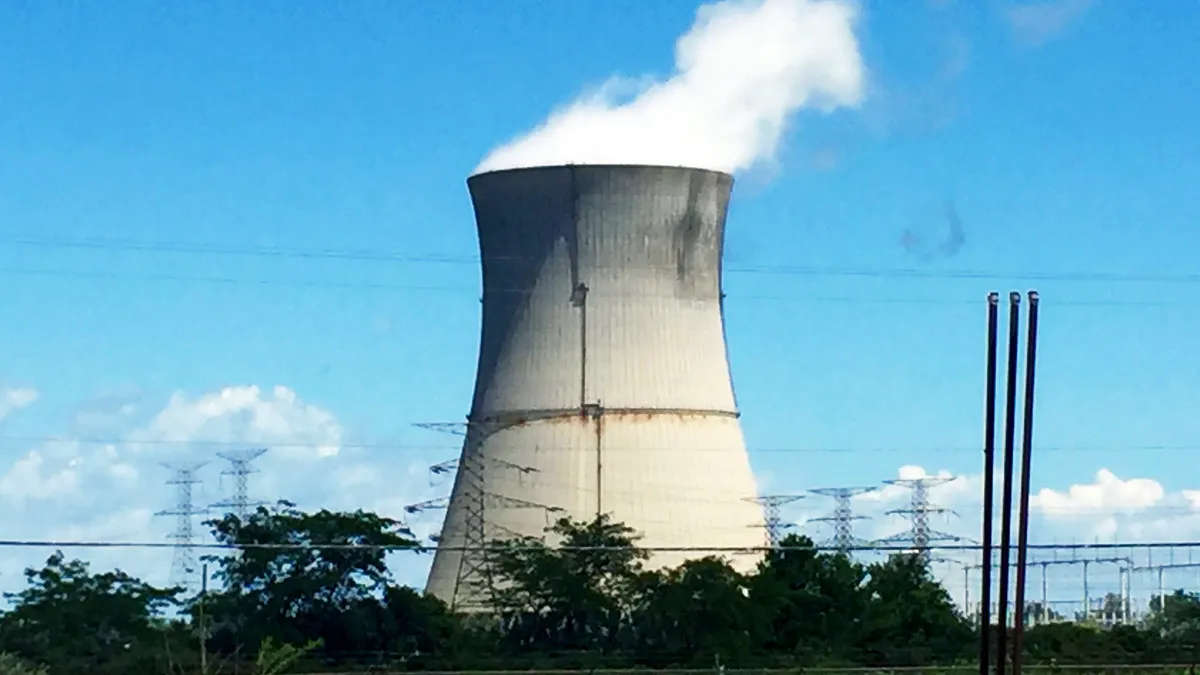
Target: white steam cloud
[(741, 71)]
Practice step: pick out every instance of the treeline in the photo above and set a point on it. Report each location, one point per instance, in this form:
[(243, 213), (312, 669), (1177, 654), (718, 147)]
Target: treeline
[(312, 592)]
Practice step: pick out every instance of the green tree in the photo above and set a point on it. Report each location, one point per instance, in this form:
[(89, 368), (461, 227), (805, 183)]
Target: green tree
[(813, 603), (1176, 616), (298, 577), (11, 664), (1087, 643), (421, 627), (573, 597), (276, 659), (695, 614), (75, 621), (315, 587), (1175, 621), (910, 619)]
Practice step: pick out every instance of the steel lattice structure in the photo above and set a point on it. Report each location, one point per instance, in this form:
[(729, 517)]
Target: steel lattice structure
[(921, 533), (240, 469), (185, 566), (474, 588), (843, 516), (773, 521)]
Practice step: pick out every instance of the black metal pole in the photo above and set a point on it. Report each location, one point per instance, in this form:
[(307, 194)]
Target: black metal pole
[(203, 621), (1010, 425), (1023, 500), (989, 478)]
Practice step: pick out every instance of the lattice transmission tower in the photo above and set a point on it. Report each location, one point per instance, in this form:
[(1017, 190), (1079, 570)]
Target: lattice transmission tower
[(185, 566), (773, 520), (921, 534), (843, 516), (239, 503), (474, 586), (440, 503)]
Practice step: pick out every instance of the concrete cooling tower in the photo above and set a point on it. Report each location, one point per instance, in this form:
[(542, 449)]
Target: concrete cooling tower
[(603, 383)]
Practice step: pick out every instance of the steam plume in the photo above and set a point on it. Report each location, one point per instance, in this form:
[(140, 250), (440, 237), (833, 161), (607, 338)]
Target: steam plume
[(741, 71), (916, 244)]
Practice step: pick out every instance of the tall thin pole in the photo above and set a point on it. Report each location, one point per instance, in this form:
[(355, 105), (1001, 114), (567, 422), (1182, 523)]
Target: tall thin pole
[(203, 620), (1010, 424), (989, 477), (1023, 503), (967, 590), (1045, 613)]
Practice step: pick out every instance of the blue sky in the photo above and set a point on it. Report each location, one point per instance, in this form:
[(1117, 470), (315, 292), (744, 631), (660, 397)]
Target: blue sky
[(1066, 140)]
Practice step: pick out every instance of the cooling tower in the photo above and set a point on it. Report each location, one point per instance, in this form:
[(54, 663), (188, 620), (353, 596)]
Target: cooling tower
[(603, 383)]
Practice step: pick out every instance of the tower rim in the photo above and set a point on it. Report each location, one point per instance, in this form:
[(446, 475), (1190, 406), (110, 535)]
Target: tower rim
[(603, 166)]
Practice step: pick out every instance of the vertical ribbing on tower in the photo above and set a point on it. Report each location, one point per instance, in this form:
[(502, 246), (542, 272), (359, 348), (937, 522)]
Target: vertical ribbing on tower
[(240, 469), (843, 515), (184, 566)]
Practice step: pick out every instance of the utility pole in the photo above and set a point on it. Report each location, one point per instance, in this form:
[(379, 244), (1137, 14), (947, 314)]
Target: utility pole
[(1023, 492), (989, 484), (1160, 571), (1125, 568), (1008, 461), (203, 620)]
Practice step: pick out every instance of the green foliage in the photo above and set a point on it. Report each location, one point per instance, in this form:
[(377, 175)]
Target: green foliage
[(910, 619), (311, 592), (1179, 617), (696, 613), (274, 659), (75, 621), (812, 604), (592, 599), (11, 664), (569, 598), (280, 585)]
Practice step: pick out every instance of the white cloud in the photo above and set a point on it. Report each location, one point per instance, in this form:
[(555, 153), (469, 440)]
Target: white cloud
[(109, 413), (78, 490), (1120, 513), (278, 419), (1108, 492), (1131, 509), (29, 478), (1109, 509), (741, 72), (1034, 23), (16, 398)]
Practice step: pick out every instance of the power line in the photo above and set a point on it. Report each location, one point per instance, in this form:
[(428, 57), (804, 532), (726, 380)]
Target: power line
[(324, 283), (397, 445), (208, 248), (64, 544)]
